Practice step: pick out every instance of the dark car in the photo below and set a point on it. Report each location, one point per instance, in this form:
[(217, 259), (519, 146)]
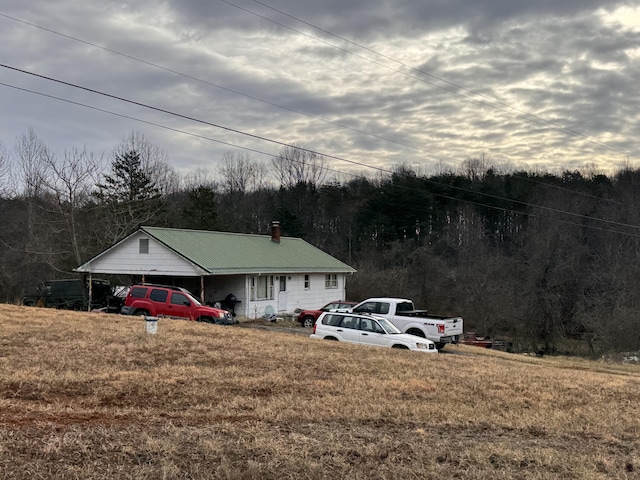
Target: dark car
[(173, 302), (71, 294), (308, 317)]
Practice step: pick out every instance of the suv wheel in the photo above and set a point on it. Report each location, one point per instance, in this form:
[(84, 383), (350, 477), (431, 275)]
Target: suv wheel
[(141, 311), (308, 321)]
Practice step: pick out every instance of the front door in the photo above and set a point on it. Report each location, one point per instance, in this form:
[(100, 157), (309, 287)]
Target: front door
[(282, 294)]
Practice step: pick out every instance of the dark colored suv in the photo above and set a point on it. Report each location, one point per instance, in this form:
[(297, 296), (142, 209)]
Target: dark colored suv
[(173, 302)]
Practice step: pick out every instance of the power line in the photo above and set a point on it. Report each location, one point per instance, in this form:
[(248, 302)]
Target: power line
[(283, 144), (572, 132), (338, 124), (521, 113), (215, 85), (187, 117), (102, 110)]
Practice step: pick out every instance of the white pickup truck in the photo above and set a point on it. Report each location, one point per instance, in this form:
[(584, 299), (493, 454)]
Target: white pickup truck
[(401, 312)]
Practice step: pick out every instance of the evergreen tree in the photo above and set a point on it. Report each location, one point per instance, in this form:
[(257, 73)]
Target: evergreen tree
[(128, 195), (128, 182), (201, 210)]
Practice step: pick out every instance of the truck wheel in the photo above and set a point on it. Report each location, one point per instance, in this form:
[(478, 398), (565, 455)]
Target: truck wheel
[(440, 346), (402, 347), (417, 332), (308, 321), (331, 338), (141, 311)]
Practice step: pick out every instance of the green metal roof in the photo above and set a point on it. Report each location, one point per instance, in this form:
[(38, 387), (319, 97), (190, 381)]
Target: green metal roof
[(230, 253)]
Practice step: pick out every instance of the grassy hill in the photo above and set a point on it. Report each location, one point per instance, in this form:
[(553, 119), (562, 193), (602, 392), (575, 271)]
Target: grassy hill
[(94, 396)]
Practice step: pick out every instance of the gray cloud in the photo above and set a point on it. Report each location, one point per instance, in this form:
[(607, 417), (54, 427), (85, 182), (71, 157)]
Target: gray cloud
[(479, 70)]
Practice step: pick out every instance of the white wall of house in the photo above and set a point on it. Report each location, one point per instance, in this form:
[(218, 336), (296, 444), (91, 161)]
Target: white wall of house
[(301, 291), (133, 258), (317, 292)]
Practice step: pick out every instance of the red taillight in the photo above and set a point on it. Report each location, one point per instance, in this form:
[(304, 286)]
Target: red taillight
[(441, 328), (314, 328)]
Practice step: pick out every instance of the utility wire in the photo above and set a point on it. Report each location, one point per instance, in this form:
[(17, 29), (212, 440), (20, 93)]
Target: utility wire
[(227, 89), (521, 113), (338, 124), (448, 197), (283, 144)]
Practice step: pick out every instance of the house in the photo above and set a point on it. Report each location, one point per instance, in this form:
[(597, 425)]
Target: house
[(266, 274)]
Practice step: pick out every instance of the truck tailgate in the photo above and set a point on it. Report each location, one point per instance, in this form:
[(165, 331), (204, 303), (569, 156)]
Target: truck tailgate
[(453, 326)]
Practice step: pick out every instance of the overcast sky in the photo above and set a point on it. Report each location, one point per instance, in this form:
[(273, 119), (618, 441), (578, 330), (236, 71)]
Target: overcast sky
[(544, 85)]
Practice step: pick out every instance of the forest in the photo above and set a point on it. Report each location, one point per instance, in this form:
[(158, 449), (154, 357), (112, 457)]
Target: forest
[(545, 260)]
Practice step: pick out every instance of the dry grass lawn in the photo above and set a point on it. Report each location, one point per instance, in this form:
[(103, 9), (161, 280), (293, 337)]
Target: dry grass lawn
[(93, 396)]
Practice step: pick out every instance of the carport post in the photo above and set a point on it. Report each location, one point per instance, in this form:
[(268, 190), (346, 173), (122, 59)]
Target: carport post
[(202, 289), (90, 292)]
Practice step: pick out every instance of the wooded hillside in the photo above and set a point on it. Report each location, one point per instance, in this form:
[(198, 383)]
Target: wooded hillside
[(546, 260)]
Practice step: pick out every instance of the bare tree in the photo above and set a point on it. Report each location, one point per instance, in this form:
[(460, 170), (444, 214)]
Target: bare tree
[(200, 177), (475, 168), (71, 181), (32, 157), (240, 174), (297, 165), (5, 171)]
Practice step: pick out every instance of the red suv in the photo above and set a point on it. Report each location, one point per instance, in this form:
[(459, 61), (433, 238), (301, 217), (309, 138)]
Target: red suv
[(173, 302)]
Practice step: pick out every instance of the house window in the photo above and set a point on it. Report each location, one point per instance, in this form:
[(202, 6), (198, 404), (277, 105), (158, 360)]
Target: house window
[(331, 280), (283, 283), (144, 245), (262, 287), (307, 282)]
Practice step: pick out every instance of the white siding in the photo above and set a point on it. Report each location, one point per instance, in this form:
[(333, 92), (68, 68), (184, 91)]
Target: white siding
[(297, 296), (126, 258), (317, 295)]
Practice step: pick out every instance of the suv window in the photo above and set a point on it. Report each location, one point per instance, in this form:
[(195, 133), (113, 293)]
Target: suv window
[(368, 325), (158, 295), (179, 299), (349, 322), (138, 292), (333, 320)]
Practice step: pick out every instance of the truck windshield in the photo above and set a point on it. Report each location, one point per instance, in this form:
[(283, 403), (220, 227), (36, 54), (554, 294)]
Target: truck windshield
[(389, 327)]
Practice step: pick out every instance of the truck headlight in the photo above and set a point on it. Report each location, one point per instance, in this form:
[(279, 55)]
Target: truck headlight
[(422, 346), (221, 314)]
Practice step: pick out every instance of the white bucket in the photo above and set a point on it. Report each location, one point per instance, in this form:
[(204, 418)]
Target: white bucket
[(151, 325)]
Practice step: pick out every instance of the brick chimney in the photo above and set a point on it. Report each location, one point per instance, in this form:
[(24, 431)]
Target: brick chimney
[(275, 232)]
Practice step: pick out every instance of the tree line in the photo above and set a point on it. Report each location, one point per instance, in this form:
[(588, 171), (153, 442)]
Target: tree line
[(547, 261)]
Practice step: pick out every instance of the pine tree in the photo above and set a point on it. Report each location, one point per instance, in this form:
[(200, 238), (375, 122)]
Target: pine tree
[(128, 182), (128, 195)]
